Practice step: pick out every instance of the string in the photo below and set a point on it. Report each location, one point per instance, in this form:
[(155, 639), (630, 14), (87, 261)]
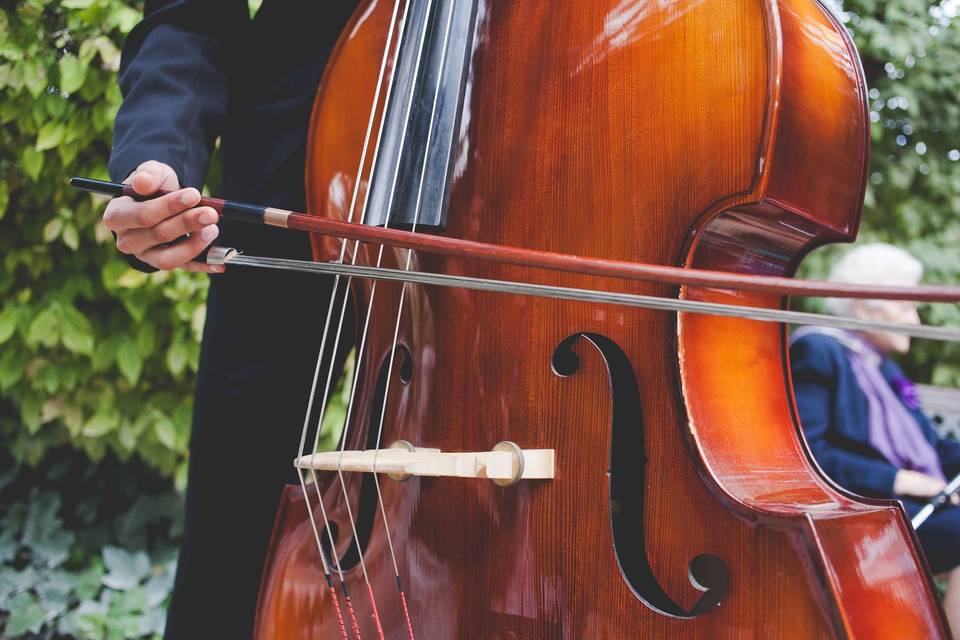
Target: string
[(362, 344), (761, 314), (361, 349), (306, 423), (403, 291)]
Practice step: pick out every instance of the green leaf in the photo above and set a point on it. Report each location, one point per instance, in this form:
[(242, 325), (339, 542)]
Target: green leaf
[(89, 619), (8, 547), (86, 584), (54, 595), (42, 516), (26, 615), (45, 329), (53, 549), (4, 197), (125, 570), (35, 77), (177, 356), (68, 153), (109, 52), (166, 432), (71, 236), (158, 587), (49, 136), (13, 363), (31, 161), (51, 230), (73, 72), (77, 332), (8, 323), (180, 476), (131, 279), (99, 425), (146, 337), (132, 600), (129, 360)]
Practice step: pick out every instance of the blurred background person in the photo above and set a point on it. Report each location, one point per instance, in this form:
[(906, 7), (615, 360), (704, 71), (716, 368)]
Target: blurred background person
[(860, 413)]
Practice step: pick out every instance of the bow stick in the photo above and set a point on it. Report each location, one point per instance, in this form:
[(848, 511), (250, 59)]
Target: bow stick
[(535, 258)]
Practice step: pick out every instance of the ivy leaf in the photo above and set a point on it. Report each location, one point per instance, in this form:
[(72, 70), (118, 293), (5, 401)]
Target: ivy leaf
[(129, 360), (73, 72), (53, 549), (8, 546), (42, 517), (125, 570), (54, 594), (89, 619), (129, 601), (26, 615), (158, 587), (86, 584), (153, 622)]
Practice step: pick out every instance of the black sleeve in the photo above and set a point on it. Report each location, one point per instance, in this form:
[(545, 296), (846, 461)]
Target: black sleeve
[(174, 76)]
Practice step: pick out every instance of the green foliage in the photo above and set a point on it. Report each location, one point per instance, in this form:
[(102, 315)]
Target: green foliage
[(92, 353), (911, 56), (85, 551)]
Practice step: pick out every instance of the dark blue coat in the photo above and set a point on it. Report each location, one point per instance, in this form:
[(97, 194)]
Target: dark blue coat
[(833, 411)]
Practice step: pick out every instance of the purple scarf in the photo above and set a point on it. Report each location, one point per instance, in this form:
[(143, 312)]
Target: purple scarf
[(892, 431)]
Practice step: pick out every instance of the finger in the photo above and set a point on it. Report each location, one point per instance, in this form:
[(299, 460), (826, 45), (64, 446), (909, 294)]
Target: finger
[(127, 213), (203, 267), (134, 241), (180, 253), (151, 176)]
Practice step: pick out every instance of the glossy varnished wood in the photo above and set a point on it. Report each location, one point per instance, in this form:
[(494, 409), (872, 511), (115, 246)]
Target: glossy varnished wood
[(677, 133)]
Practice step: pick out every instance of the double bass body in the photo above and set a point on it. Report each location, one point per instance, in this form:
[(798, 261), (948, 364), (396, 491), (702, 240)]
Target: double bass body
[(725, 134)]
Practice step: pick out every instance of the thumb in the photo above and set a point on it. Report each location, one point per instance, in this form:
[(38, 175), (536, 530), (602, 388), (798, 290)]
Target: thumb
[(152, 176)]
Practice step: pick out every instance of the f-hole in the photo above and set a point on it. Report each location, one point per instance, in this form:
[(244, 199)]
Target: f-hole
[(706, 572), (366, 511)]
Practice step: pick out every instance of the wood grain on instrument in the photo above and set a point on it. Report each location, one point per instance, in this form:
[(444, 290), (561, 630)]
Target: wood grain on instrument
[(729, 134)]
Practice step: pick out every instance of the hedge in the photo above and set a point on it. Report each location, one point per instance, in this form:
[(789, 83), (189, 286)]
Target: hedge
[(96, 356)]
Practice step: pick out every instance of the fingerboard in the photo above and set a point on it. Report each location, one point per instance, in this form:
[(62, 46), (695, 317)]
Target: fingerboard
[(423, 115)]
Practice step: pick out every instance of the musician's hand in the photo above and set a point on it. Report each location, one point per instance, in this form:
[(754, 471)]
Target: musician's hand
[(143, 229), (916, 484)]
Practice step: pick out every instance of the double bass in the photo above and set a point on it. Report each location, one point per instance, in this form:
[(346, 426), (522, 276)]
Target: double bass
[(678, 498)]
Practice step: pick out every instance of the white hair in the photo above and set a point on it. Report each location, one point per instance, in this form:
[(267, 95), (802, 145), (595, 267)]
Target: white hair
[(876, 263)]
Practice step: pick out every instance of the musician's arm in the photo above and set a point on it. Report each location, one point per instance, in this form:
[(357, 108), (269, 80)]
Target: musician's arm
[(175, 78)]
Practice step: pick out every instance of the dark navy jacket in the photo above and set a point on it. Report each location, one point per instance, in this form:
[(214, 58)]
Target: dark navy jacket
[(196, 70), (834, 414)]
